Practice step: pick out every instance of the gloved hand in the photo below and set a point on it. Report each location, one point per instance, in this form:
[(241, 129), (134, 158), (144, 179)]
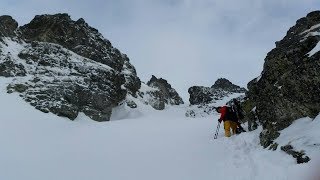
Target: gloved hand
[(219, 120)]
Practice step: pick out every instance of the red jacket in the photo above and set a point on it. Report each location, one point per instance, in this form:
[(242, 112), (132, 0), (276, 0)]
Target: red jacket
[(227, 114), (223, 112)]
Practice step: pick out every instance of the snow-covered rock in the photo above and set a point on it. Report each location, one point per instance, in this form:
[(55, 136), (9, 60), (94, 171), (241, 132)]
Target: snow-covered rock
[(7, 26), (157, 93), (166, 93), (65, 67), (289, 86), (203, 100), (221, 88)]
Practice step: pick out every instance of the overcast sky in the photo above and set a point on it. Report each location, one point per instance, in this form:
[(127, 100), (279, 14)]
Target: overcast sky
[(187, 42)]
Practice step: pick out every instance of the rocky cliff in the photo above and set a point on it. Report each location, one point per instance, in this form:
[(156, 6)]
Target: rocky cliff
[(158, 93), (7, 26), (65, 67), (203, 99), (221, 88), (289, 85)]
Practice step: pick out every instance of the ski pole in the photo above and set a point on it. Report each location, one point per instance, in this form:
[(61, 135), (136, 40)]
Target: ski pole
[(217, 131)]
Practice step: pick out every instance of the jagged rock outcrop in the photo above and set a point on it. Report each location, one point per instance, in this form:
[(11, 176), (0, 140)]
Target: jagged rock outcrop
[(202, 99), (169, 94), (226, 85), (82, 39), (221, 88), (289, 85), (159, 93), (65, 67), (7, 26)]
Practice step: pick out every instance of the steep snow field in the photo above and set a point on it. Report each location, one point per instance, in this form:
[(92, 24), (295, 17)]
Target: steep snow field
[(146, 145)]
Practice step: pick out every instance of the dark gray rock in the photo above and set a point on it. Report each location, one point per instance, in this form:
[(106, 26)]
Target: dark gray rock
[(69, 67), (274, 146), (300, 156), (66, 84), (7, 26), (226, 85), (156, 100), (17, 88), (77, 36), (290, 82), (158, 93), (131, 104), (201, 95), (10, 69), (270, 133), (202, 98), (82, 39), (205, 95), (133, 83), (170, 95)]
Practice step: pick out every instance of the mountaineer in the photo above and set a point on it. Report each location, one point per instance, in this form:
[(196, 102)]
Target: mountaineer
[(230, 119)]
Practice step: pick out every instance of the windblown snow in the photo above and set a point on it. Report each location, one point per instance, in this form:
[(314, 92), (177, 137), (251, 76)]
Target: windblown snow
[(315, 49), (145, 145), (313, 31)]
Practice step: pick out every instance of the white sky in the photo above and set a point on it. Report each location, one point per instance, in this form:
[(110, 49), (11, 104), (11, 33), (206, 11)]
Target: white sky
[(187, 42)]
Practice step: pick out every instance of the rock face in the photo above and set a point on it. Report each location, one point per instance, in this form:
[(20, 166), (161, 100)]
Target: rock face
[(169, 94), (226, 85), (159, 93), (7, 26), (65, 67), (202, 99), (221, 88), (289, 85), (82, 39)]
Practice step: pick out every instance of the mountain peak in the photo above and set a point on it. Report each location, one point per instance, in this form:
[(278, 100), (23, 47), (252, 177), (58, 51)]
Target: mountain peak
[(206, 95), (72, 67), (168, 94), (314, 14), (77, 36), (225, 84), (222, 83)]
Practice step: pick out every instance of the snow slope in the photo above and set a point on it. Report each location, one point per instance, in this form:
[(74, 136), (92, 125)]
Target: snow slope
[(147, 145)]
